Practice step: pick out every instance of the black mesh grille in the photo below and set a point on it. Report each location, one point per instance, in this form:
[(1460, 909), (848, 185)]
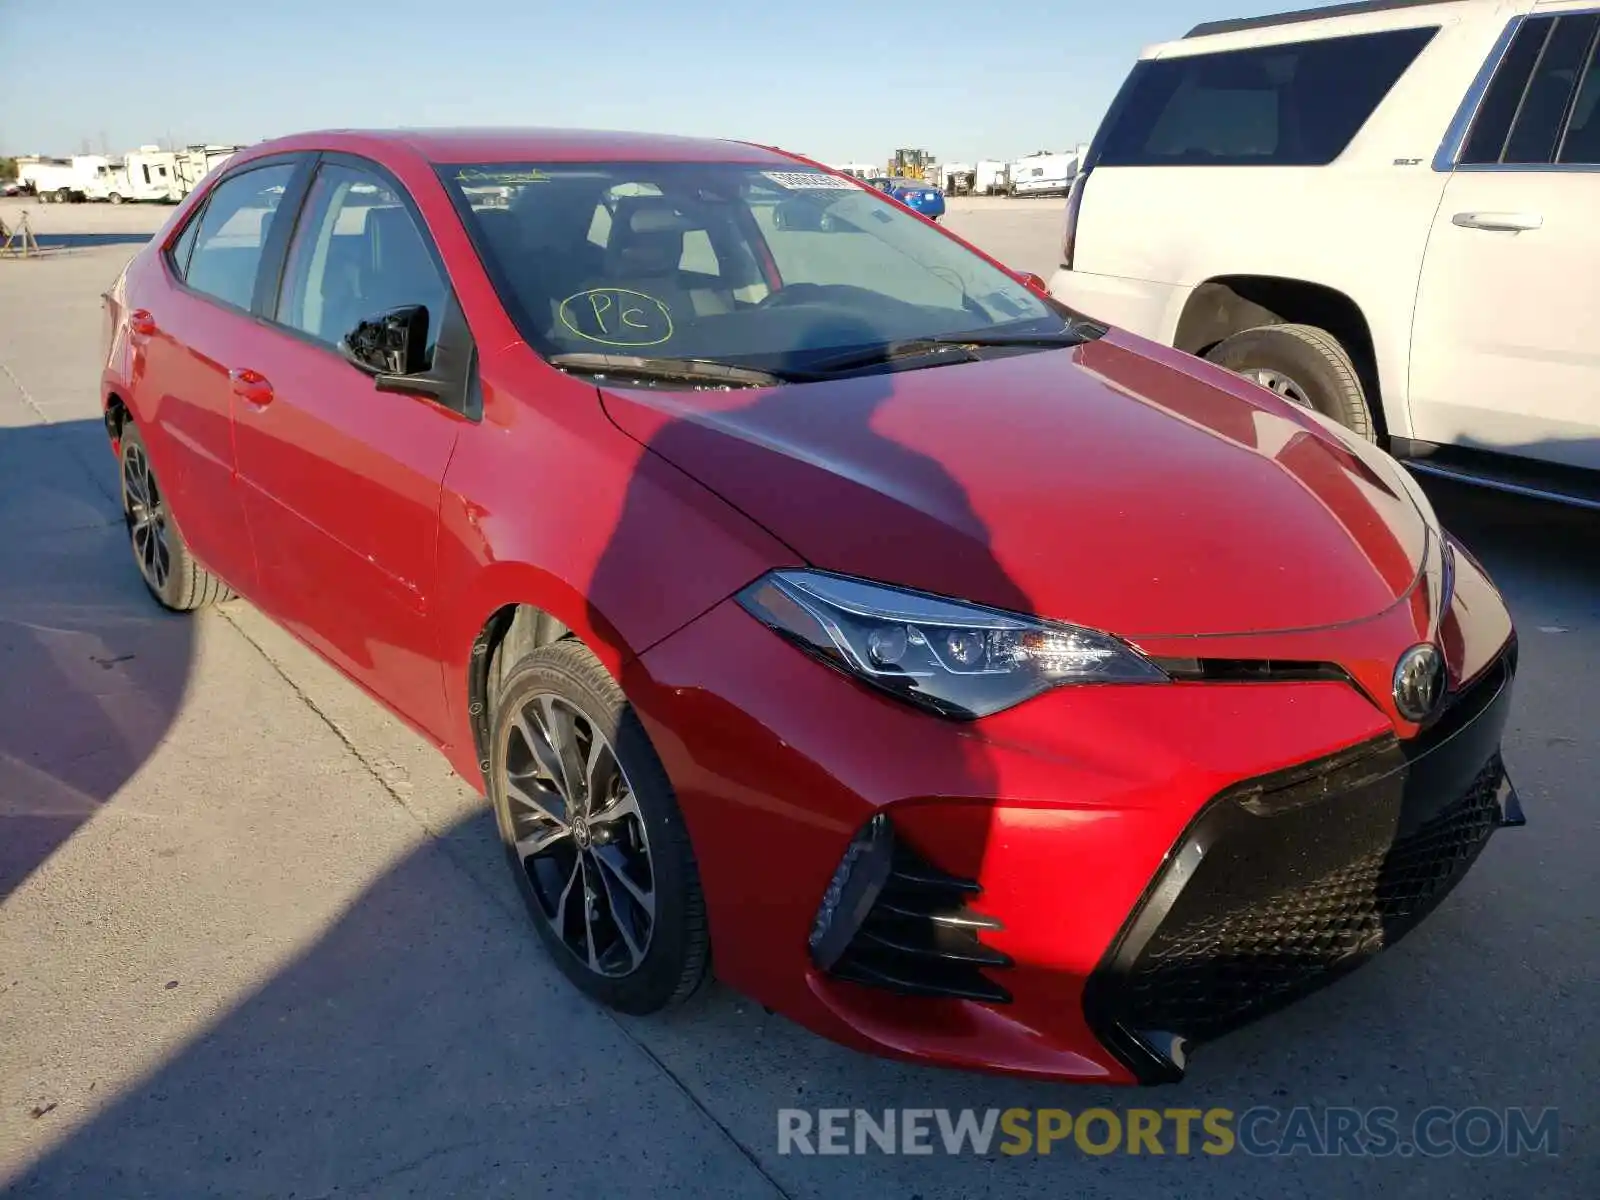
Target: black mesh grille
[(1205, 975), (921, 937), (1285, 882)]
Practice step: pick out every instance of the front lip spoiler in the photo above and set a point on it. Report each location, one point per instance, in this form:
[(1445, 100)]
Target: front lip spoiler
[(1407, 784)]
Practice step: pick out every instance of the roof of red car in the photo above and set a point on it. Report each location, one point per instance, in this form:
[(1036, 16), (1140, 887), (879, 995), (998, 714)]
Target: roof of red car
[(510, 144)]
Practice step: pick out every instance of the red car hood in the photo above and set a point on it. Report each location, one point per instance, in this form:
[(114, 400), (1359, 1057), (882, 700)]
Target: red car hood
[(1117, 485)]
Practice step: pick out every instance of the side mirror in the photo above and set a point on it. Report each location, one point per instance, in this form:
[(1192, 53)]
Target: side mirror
[(395, 343), (1034, 283)]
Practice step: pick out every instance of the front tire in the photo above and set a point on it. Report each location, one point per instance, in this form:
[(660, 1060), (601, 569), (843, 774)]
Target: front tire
[(115, 197), (593, 834), (1303, 364), (168, 569)]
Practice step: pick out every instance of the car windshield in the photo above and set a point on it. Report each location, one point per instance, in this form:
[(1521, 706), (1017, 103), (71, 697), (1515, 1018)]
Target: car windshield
[(773, 269)]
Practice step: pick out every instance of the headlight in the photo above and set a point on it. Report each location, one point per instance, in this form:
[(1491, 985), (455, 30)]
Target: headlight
[(960, 660)]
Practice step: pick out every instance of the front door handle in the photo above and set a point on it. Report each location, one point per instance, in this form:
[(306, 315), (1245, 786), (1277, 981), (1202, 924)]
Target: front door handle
[(1499, 222), (251, 386)]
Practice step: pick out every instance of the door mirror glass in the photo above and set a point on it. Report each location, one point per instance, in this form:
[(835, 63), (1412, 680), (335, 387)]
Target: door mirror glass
[(393, 343)]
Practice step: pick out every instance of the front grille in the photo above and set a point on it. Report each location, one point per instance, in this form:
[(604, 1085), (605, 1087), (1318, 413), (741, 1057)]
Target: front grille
[(920, 938), (1285, 882), (1206, 972)]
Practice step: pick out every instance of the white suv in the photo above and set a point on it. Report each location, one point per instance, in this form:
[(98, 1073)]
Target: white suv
[(1388, 211)]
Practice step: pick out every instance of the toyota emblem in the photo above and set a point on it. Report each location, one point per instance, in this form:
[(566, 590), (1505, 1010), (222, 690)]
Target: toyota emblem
[(1419, 683)]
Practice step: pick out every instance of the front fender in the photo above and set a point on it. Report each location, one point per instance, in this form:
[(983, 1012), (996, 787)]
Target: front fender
[(549, 504)]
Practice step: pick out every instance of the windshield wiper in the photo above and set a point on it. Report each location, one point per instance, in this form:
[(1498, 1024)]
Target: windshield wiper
[(938, 346), (689, 370)]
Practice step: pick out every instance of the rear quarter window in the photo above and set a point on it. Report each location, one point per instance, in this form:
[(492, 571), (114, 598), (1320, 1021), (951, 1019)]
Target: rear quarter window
[(1297, 104)]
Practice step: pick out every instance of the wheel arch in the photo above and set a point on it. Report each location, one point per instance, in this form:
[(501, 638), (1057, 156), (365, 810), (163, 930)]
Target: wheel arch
[(1228, 304), (517, 608), (117, 417)]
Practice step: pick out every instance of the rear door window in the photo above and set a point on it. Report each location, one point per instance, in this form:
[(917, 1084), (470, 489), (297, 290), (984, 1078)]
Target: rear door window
[(1542, 93), (233, 231), (1298, 104), (1581, 143)]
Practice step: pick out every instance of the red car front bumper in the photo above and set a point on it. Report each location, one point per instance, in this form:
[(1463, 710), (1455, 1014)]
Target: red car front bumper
[(1097, 879)]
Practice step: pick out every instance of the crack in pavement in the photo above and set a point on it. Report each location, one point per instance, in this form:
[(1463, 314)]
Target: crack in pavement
[(27, 396)]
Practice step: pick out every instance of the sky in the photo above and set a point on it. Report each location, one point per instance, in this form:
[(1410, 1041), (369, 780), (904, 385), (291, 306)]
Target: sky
[(838, 80)]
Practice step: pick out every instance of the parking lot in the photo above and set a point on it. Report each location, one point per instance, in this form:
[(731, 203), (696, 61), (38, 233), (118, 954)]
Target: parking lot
[(255, 939)]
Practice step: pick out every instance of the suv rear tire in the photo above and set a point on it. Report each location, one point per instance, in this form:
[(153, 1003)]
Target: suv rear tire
[(1304, 365)]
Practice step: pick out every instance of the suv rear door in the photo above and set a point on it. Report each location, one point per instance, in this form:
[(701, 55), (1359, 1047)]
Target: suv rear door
[(1504, 353)]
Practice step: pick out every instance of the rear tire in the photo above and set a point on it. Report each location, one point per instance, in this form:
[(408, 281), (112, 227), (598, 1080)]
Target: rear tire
[(582, 872), (1303, 364), (168, 569)]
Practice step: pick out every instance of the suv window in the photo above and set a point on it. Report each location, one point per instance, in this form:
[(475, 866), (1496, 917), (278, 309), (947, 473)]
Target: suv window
[(1545, 81), (232, 229), (357, 253), (1581, 143), (1297, 104)]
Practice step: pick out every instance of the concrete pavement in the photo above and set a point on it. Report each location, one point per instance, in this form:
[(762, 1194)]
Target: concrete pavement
[(255, 940)]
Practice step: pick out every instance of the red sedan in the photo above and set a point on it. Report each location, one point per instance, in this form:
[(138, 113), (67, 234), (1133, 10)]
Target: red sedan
[(811, 595)]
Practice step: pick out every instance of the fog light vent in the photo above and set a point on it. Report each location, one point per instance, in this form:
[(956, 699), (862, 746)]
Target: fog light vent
[(892, 920), (852, 891)]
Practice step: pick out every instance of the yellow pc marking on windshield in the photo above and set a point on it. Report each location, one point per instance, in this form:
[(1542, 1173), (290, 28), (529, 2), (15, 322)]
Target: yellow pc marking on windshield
[(614, 316)]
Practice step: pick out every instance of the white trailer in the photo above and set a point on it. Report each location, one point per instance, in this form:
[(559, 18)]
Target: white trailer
[(148, 174), (955, 178), (196, 162), (153, 174), (61, 180), (991, 178), (1044, 174)]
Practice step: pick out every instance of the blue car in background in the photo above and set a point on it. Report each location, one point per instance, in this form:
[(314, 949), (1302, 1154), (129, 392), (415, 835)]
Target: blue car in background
[(914, 194)]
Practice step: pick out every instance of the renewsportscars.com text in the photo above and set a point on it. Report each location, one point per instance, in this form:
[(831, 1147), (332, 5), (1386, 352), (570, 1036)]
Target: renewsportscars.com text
[(1322, 1131)]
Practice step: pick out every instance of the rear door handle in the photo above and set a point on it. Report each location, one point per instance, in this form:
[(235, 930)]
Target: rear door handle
[(1500, 222), (251, 386), (141, 322)]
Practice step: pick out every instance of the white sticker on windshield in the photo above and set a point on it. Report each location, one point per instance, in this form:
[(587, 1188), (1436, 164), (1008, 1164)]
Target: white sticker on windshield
[(809, 179)]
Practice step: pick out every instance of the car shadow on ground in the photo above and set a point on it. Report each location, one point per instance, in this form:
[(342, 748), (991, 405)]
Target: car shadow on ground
[(92, 671), (422, 1047)]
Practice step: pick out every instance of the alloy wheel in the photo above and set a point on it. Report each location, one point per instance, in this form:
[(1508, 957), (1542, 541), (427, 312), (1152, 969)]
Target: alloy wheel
[(579, 834), (1277, 381), (146, 513)]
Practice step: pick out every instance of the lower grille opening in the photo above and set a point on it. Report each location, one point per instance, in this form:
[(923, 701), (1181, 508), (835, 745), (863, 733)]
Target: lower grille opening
[(1290, 880), (1207, 970), (1286, 882), (920, 937)]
